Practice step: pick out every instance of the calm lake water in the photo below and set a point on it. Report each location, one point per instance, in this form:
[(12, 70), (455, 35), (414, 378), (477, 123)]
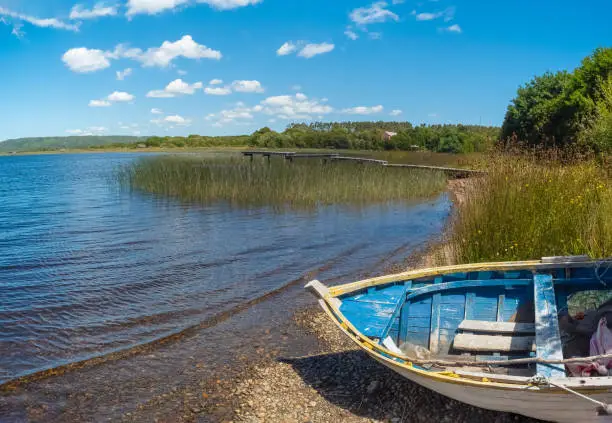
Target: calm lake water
[(87, 268)]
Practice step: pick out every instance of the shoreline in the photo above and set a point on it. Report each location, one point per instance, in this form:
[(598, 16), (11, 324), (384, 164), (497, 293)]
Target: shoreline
[(295, 356), (341, 383)]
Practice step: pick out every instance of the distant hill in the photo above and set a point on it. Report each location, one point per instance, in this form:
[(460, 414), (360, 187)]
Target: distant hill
[(57, 143)]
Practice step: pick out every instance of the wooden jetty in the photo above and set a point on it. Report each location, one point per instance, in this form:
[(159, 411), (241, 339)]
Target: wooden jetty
[(291, 155), (360, 160), (268, 153)]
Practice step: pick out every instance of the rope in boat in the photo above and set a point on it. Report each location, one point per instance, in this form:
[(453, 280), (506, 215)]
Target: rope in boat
[(598, 265), (537, 360), (603, 408)]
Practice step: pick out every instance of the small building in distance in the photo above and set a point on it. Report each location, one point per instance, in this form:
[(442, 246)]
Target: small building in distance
[(388, 135)]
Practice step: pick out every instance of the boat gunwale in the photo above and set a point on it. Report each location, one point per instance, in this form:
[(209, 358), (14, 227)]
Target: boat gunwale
[(534, 265), (331, 305)]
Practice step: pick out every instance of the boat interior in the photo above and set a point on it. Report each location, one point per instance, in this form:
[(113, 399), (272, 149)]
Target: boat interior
[(481, 316)]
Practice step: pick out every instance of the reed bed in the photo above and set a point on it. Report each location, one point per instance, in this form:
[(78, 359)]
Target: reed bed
[(277, 183), (530, 207)]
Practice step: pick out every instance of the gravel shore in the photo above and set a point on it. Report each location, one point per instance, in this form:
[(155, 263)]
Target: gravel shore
[(342, 384)]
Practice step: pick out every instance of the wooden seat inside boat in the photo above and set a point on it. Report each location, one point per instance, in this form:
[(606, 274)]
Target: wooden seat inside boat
[(484, 336)]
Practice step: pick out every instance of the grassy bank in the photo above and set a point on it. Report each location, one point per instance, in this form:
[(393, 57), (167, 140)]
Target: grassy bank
[(527, 208), (278, 183)]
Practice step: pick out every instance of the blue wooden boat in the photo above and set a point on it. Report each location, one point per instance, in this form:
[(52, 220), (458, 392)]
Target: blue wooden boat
[(484, 334)]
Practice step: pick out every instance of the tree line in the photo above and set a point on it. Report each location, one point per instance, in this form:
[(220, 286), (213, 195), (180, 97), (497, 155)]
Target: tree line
[(371, 136), (346, 135), (565, 109)]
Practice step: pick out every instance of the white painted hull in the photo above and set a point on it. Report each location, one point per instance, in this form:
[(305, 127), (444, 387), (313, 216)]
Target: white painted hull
[(556, 407)]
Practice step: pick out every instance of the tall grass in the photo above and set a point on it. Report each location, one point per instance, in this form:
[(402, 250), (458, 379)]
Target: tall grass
[(528, 208), (278, 183)]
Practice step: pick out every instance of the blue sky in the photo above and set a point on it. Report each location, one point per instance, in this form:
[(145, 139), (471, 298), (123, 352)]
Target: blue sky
[(155, 66)]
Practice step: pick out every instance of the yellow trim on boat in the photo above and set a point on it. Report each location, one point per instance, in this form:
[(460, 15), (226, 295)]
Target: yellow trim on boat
[(421, 273)]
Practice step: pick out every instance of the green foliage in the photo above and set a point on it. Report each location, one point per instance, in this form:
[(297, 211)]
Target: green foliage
[(530, 115), (600, 134), (370, 136), (196, 141), (277, 183), (527, 208), (58, 143), (561, 109)]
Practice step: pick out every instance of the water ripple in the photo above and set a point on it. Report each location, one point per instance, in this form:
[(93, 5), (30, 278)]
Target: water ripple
[(87, 269)]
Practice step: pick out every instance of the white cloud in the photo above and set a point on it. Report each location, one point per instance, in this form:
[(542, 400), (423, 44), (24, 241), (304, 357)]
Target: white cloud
[(229, 4), (375, 35), (237, 114), (85, 60), (151, 7), (218, 90), (90, 60), (176, 88), (296, 88), (157, 111), (185, 47), (215, 82), (395, 112), (121, 75), (311, 50), (16, 27), (286, 49), (39, 22), (115, 97), (351, 34), (173, 120), (305, 50), (92, 130), (284, 107), (247, 86), (99, 103), (181, 72), (120, 96), (362, 110), (454, 28), (376, 13), (448, 14), (99, 10), (179, 120), (297, 106)]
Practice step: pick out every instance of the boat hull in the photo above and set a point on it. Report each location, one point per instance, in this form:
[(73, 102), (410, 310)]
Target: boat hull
[(556, 407), (357, 307)]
